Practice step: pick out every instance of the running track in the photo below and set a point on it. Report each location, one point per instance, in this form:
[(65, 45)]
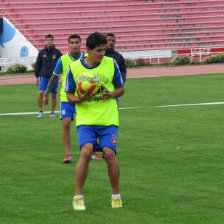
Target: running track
[(135, 73)]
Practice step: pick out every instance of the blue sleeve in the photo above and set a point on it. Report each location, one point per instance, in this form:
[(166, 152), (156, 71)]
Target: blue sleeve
[(70, 85), (117, 80), (58, 67)]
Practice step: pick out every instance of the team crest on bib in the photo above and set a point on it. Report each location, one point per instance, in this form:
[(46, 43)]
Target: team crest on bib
[(114, 139)]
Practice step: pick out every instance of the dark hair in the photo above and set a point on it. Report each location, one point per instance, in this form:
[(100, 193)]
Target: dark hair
[(110, 35), (49, 36), (95, 39), (74, 36)]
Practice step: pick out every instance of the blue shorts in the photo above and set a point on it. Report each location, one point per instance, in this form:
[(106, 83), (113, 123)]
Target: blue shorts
[(99, 136), (67, 110), (44, 82)]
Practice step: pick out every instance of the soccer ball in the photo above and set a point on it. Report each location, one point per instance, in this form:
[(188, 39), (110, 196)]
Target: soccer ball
[(88, 82)]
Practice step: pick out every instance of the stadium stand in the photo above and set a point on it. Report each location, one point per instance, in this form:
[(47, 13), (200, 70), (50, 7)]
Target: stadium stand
[(139, 25)]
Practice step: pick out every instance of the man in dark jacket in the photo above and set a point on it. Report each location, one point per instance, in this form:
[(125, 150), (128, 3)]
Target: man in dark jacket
[(110, 52), (45, 64)]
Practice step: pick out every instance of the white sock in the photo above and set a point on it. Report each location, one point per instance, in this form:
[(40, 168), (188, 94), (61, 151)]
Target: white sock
[(116, 196), (78, 196)]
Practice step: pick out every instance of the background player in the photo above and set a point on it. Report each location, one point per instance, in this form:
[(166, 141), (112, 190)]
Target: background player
[(110, 52), (67, 108), (45, 63)]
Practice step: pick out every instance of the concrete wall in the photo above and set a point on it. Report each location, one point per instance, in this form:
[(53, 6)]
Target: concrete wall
[(14, 47)]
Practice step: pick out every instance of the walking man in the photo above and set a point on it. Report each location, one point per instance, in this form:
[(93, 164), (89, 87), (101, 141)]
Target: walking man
[(67, 108), (45, 63), (96, 116)]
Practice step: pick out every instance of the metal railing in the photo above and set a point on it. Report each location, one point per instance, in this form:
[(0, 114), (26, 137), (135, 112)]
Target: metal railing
[(21, 29)]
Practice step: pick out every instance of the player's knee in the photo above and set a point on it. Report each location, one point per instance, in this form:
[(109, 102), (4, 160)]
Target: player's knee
[(86, 152), (108, 154), (41, 93), (66, 124), (53, 96)]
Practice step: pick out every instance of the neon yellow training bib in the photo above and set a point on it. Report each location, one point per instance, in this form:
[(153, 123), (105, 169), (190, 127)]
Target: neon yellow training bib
[(66, 60), (96, 112)]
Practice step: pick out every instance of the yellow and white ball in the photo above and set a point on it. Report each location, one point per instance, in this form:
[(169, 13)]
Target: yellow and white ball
[(88, 82)]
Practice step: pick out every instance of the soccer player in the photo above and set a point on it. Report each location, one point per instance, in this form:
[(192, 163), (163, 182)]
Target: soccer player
[(96, 115), (67, 108), (45, 63), (110, 52)]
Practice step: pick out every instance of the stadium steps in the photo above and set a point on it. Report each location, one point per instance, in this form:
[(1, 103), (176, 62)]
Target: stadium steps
[(153, 21), (130, 27), (207, 35), (147, 24), (153, 33), (112, 11), (158, 3), (120, 13)]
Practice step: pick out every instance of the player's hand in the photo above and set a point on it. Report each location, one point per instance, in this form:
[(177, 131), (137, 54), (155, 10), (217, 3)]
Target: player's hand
[(106, 94), (45, 100), (83, 97), (37, 81)]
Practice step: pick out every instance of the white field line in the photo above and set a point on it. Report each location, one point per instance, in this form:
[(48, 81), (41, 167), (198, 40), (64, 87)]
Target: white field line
[(26, 113), (192, 104), (48, 112), (121, 108)]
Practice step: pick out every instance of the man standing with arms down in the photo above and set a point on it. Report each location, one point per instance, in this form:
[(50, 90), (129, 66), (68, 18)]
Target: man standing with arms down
[(67, 108), (110, 52), (96, 116), (45, 63)]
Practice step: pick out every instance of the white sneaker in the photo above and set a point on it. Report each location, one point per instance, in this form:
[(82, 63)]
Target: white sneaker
[(78, 203), (116, 203), (40, 115)]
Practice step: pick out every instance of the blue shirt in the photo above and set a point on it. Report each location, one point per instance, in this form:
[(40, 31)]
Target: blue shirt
[(58, 67)]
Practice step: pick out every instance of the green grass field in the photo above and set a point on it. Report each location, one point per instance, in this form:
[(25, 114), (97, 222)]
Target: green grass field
[(171, 158), (15, 74)]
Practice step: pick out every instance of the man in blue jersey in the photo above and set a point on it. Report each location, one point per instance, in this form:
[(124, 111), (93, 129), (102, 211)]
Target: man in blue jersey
[(67, 108), (45, 63), (96, 115)]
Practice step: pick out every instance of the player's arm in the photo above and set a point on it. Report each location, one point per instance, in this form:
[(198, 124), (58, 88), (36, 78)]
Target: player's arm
[(118, 85), (70, 89), (50, 86), (118, 91), (53, 79), (81, 97), (122, 68), (38, 68)]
